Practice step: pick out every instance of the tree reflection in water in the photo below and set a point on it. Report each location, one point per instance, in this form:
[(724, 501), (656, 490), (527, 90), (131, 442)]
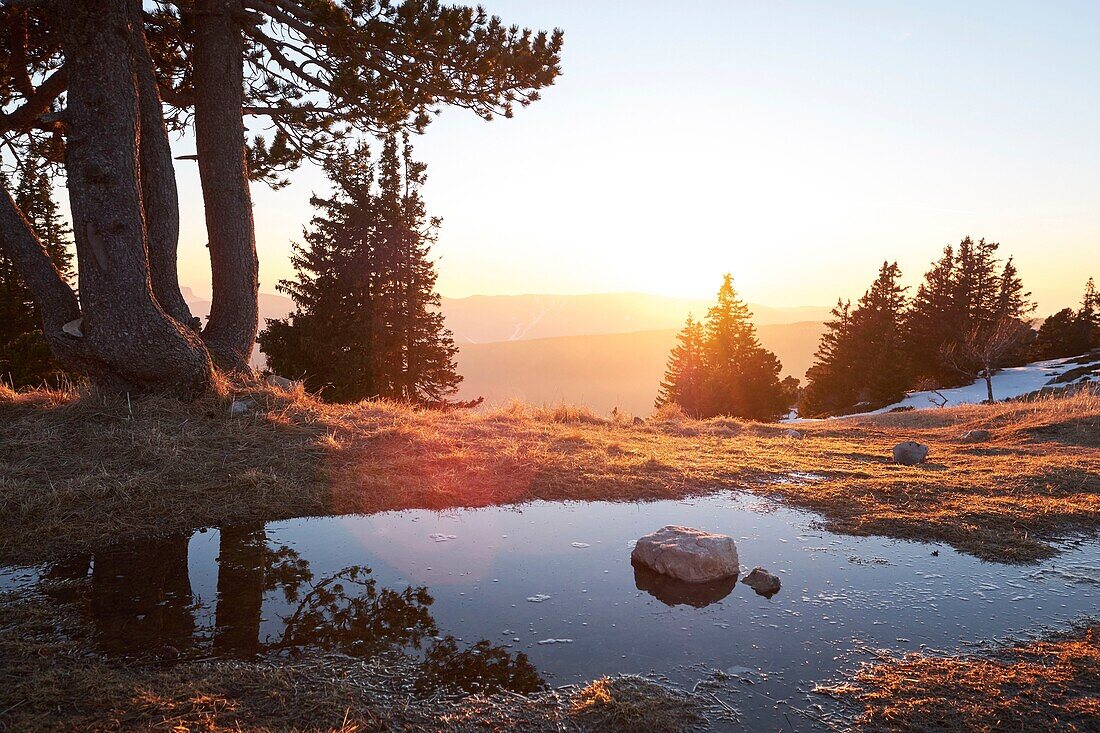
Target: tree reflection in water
[(139, 600)]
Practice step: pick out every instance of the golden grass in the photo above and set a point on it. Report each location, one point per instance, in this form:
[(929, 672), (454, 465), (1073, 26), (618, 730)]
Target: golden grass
[(79, 468), (1047, 685)]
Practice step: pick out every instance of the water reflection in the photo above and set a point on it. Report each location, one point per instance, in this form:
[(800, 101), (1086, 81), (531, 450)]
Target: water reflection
[(673, 592), (138, 599)]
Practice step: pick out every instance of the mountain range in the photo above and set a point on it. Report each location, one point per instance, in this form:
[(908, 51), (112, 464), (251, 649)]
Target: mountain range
[(604, 350)]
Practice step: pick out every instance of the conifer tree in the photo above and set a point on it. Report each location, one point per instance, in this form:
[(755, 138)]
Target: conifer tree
[(686, 377), (1089, 315), (367, 321), (965, 292), (719, 367), (25, 358), (742, 376), (933, 318), (1069, 333), (862, 357), (830, 387)]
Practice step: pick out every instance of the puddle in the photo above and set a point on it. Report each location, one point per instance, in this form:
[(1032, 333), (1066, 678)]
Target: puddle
[(547, 592)]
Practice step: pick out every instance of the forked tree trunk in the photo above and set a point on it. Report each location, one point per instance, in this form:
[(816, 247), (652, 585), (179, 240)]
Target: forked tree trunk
[(131, 343), (230, 333), (160, 200)]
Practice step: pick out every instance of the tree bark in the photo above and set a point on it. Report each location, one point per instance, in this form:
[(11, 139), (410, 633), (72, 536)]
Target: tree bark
[(136, 346), (159, 197), (230, 334), (54, 299)]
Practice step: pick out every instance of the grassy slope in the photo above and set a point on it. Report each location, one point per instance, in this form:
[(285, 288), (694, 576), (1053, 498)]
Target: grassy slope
[(76, 471)]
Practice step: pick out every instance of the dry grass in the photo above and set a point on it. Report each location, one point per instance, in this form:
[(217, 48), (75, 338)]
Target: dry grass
[(635, 704), (50, 681), (77, 470), (1047, 685)]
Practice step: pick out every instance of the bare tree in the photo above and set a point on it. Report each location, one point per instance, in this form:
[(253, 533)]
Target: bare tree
[(988, 346)]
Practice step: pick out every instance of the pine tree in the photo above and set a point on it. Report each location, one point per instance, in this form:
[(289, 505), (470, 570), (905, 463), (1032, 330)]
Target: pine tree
[(861, 359), (1069, 333), (933, 318), (720, 368), (25, 358), (742, 376), (830, 386), (686, 376), (367, 322), (1059, 336), (1089, 316), (965, 290)]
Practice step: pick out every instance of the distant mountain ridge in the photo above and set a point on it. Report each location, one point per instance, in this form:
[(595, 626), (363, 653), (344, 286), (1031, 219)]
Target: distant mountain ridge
[(483, 319), (604, 350), (603, 371)]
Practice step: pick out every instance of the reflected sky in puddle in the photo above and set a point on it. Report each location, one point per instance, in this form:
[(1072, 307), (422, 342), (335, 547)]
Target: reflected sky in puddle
[(554, 582)]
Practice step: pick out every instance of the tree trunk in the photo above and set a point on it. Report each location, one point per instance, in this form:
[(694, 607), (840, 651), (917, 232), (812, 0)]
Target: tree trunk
[(989, 384), (160, 200), (54, 299), (230, 333), (134, 344)]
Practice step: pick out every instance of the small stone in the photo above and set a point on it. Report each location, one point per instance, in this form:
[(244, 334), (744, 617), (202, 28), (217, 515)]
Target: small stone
[(74, 328), (764, 583), (910, 453), (975, 436), (639, 421), (240, 407)]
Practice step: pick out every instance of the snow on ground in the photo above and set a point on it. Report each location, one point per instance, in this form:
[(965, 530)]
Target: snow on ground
[(1007, 383)]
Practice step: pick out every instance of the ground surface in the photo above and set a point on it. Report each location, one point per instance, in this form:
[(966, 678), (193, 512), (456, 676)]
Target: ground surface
[(79, 470), (1048, 684)]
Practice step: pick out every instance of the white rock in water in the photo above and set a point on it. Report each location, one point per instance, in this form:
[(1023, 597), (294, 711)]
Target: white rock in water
[(538, 598), (688, 554), (910, 453)]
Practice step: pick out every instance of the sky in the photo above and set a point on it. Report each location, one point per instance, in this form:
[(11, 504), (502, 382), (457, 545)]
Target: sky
[(794, 144)]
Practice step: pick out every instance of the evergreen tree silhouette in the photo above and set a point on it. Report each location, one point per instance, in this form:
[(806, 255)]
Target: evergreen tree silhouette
[(686, 375), (366, 322), (861, 360), (718, 367), (966, 292), (1069, 333), (743, 377)]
